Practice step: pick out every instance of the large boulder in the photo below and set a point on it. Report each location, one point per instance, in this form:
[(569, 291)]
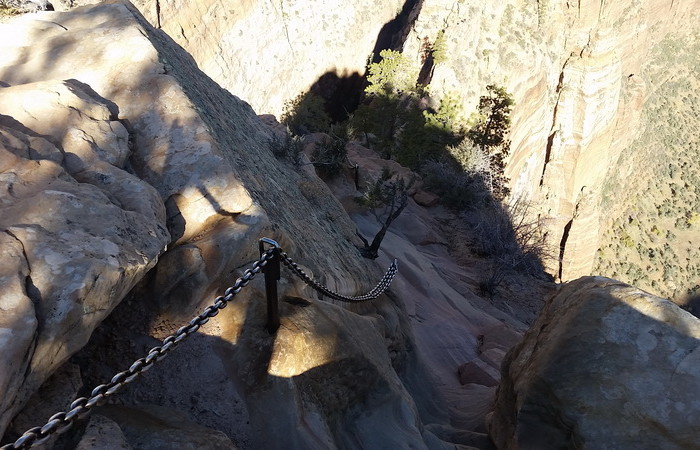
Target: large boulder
[(605, 365), (78, 230)]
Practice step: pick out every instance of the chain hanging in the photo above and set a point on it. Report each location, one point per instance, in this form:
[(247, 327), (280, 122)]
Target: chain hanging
[(378, 290), (62, 421)]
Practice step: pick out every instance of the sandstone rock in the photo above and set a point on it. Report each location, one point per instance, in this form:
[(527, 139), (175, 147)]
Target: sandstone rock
[(102, 433), (288, 33), (173, 150), (208, 157), (74, 249), (334, 384), (604, 366)]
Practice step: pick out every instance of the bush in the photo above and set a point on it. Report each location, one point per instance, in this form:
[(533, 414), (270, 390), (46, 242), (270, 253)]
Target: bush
[(510, 235), (456, 188), (286, 147), (330, 157), (306, 114), (394, 73)]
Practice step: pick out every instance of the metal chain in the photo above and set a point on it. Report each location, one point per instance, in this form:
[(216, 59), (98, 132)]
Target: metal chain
[(62, 421), (378, 290)]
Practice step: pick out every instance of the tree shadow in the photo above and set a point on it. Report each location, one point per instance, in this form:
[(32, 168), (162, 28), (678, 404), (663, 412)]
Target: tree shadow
[(343, 93)]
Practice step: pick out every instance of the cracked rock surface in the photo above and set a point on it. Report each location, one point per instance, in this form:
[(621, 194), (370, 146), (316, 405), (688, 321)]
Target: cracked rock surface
[(75, 239)]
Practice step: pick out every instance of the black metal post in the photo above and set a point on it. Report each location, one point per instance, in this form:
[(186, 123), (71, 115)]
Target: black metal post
[(272, 275)]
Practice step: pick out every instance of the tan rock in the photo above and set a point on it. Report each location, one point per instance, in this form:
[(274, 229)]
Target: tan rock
[(207, 155), (602, 362), (73, 249), (173, 150)]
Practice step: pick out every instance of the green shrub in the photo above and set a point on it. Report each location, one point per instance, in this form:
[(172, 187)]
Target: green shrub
[(330, 157), (439, 48), (394, 73), (306, 114)]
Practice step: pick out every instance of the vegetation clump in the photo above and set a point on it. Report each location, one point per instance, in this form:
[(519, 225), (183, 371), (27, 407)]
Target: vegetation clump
[(306, 114), (461, 161), (330, 157)]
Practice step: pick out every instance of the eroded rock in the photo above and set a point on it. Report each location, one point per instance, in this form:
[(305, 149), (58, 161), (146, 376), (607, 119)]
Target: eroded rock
[(605, 365), (102, 433), (154, 427), (74, 248)]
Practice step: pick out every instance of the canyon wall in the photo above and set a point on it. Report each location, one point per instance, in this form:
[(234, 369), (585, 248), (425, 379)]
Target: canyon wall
[(269, 52), (572, 67)]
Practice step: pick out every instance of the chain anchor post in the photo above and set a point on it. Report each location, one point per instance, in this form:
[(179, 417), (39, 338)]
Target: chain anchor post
[(272, 275)]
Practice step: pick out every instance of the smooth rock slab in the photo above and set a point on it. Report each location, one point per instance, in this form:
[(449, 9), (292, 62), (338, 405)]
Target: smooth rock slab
[(606, 365)]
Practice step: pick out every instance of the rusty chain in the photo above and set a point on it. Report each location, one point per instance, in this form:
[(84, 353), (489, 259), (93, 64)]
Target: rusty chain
[(62, 421), (378, 290)]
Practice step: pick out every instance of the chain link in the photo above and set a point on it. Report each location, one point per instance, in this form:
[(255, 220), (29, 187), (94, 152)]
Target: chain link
[(378, 290), (62, 421)]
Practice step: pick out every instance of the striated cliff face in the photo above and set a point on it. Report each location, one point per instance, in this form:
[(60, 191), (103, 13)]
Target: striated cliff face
[(572, 67)]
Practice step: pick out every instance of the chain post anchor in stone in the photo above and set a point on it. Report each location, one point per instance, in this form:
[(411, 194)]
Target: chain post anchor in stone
[(272, 275)]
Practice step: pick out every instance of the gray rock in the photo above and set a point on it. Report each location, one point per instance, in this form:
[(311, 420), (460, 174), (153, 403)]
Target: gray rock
[(151, 427), (102, 433), (56, 394), (605, 365)]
